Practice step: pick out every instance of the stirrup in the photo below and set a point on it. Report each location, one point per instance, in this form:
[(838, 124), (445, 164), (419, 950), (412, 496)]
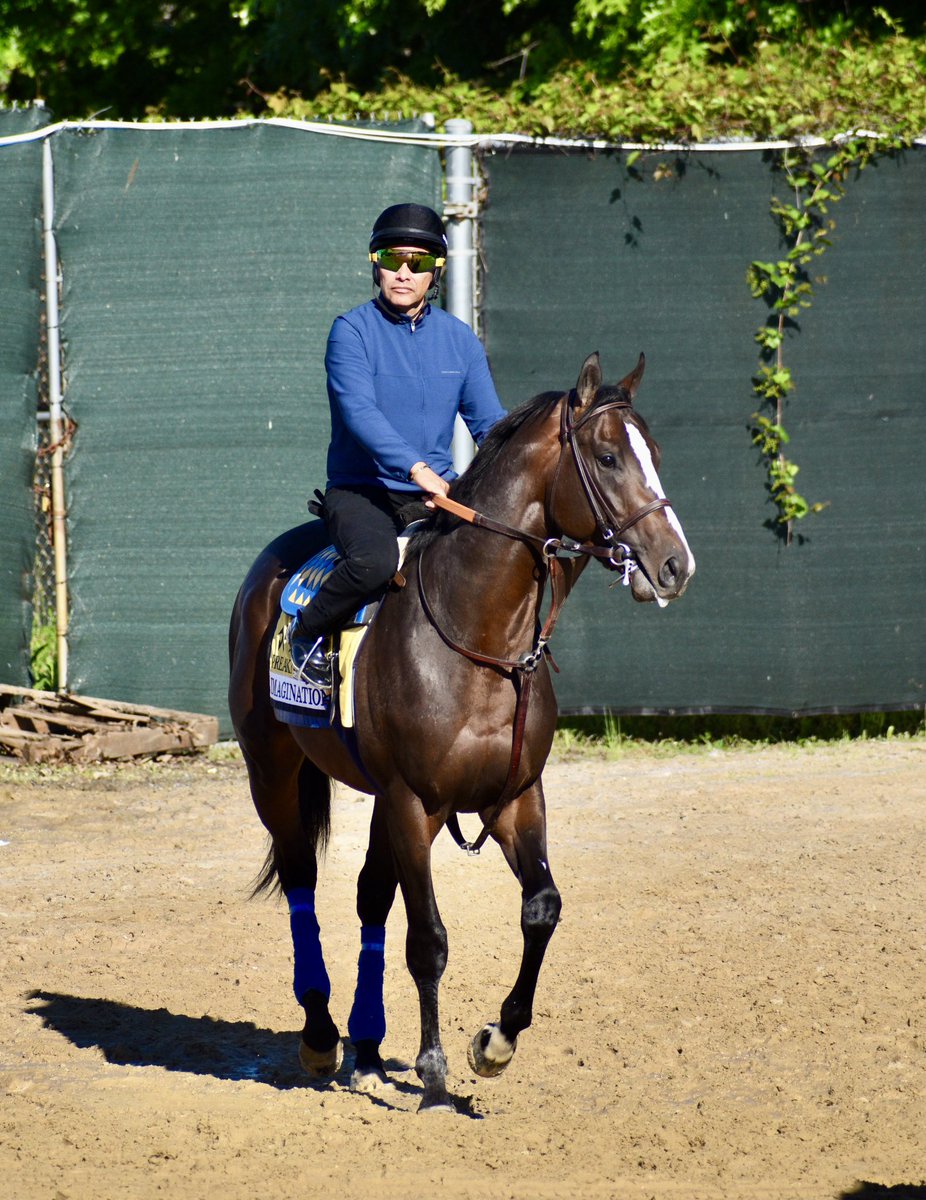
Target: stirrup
[(311, 663)]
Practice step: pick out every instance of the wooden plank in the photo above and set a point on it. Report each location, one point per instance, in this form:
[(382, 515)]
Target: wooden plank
[(48, 749), (130, 743), (15, 736), (37, 747), (205, 729), (39, 716), (48, 725), (115, 706)]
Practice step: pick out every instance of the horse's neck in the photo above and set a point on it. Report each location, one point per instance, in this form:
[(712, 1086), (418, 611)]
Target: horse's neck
[(516, 488), (488, 584)]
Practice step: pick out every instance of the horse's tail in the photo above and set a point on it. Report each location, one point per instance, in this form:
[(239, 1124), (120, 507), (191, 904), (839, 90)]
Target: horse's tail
[(315, 816)]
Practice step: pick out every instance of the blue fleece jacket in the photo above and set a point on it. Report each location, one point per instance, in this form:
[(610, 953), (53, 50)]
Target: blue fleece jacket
[(395, 386)]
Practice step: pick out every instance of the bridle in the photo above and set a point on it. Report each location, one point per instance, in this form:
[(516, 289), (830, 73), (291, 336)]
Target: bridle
[(609, 532), (607, 547)]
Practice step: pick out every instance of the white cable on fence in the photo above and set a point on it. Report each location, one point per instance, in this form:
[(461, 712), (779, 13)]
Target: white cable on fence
[(473, 141)]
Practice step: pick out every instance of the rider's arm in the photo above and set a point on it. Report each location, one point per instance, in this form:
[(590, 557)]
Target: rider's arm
[(352, 391), (480, 407)]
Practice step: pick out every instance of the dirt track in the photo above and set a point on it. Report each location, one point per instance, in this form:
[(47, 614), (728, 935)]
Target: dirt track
[(734, 1003)]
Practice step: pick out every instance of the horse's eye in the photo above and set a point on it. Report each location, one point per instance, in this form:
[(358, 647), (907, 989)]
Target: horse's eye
[(607, 460)]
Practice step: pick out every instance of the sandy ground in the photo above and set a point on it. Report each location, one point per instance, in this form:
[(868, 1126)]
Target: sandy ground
[(733, 1005)]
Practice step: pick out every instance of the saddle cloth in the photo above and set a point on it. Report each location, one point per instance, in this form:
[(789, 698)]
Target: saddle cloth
[(294, 701)]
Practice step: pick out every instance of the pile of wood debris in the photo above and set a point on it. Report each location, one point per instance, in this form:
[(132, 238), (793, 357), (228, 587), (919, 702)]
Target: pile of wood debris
[(63, 727)]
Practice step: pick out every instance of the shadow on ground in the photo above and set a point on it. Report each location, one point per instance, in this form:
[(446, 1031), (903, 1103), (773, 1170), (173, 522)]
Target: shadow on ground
[(142, 1037), (886, 1191)]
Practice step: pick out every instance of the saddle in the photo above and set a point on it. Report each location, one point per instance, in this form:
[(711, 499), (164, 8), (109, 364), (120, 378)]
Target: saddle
[(294, 701)]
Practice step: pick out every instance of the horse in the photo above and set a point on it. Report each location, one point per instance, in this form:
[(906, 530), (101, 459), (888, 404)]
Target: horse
[(454, 706)]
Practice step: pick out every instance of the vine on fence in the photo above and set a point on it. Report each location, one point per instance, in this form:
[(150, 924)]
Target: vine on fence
[(787, 288)]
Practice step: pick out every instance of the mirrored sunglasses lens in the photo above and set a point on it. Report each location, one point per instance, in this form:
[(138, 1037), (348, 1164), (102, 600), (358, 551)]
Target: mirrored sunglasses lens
[(417, 263)]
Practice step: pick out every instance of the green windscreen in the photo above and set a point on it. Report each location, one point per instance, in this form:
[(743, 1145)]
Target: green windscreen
[(202, 270), (585, 253)]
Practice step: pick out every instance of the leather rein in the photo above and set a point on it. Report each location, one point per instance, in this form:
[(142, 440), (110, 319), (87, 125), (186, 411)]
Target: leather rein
[(608, 547)]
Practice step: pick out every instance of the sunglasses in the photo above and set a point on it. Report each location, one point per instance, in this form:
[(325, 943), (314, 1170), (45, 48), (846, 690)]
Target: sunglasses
[(416, 260)]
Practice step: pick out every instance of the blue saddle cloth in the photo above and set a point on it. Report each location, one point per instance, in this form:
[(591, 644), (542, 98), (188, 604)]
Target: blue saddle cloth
[(303, 586), (294, 701), (298, 703)]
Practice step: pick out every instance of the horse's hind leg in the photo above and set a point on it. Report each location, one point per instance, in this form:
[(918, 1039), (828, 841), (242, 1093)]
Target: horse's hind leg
[(521, 833), (376, 887), (292, 797)]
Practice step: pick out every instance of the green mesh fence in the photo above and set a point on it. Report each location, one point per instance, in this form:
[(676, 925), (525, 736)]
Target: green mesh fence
[(202, 270), (585, 254), (20, 308)]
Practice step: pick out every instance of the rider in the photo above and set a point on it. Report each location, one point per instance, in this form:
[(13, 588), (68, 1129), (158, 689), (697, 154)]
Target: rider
[(399, 371)]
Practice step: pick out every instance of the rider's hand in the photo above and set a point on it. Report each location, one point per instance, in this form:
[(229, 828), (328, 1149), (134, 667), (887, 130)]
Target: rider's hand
[(431, 484)]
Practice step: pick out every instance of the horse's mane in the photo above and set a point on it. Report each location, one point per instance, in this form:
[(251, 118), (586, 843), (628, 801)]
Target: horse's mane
[(496, 442), (466, 488)]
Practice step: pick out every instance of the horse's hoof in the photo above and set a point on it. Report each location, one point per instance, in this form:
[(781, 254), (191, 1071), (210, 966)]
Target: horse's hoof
[(490, 1052), (321, 1064), (370, 1082), (438, 1104)]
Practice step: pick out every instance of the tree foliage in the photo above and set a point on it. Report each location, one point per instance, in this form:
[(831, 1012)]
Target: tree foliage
[(618, 67)]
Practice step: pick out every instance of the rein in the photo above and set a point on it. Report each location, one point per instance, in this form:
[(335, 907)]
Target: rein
[(524, 667)]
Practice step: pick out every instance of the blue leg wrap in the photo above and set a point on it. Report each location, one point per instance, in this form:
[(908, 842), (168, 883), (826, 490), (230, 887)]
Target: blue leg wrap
[(367, 1021), (308, 963)]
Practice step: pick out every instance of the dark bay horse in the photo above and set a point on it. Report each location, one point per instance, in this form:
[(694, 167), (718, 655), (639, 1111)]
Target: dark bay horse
[(454, 710)]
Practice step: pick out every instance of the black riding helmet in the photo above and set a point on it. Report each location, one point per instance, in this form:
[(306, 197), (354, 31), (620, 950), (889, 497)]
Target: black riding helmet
[(409, 225)]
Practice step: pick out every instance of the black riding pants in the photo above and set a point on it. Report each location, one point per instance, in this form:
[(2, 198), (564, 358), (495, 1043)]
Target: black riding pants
[(363, 526)]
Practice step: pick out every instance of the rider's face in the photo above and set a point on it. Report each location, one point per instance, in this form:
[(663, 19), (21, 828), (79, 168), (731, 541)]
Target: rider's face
[(404, 289)]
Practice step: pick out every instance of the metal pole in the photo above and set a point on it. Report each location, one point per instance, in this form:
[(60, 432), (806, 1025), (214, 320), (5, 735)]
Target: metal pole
[(56, 420), (460, 211)]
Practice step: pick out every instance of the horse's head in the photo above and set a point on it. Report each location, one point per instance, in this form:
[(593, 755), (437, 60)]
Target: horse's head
[(607, 490)]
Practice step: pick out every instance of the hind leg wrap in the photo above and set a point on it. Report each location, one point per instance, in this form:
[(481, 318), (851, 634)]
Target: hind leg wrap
[(320, 1050), (309, 973)]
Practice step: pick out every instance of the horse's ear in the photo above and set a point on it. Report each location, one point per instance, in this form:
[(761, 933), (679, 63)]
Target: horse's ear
[(632, 381), (589, 381)]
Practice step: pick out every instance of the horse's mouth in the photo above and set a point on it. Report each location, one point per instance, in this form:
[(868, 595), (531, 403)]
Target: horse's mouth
[(633, 575), (643, 591), (679, 575)]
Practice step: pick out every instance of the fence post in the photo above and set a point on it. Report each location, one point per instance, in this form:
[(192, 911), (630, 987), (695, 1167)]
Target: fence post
[(460, 214), (56, 421)]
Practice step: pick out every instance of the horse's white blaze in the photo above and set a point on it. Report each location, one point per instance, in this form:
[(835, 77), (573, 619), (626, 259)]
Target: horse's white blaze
[(648, 467)]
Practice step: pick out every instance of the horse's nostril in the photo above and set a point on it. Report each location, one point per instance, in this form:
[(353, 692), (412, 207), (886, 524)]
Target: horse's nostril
[(668, 572)]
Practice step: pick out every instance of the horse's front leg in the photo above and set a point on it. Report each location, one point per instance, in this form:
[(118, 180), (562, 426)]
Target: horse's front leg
[(521, 833), (411, 833), (376, 887)]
